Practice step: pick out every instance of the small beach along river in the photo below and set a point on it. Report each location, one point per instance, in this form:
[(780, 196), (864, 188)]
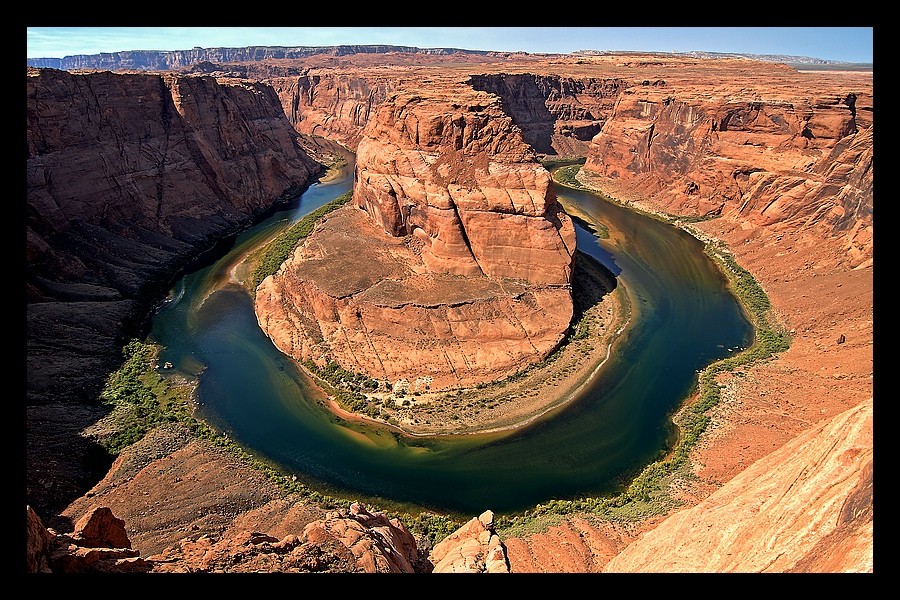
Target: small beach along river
[(683, 319)]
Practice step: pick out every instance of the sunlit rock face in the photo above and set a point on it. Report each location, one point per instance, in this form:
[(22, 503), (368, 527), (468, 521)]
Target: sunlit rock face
[(453, 262), (773, 155)]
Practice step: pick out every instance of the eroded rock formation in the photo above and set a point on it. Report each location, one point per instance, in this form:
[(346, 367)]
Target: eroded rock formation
[(344, 541), (473, 548), (174, 59), (807, 507), (129, 178), (787, 160), (454, 264), (99, 544)]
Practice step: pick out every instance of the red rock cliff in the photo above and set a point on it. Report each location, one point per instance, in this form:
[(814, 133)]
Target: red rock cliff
[(336, 106), (456, 270), (772, 155), (128, 178), (557, 115)]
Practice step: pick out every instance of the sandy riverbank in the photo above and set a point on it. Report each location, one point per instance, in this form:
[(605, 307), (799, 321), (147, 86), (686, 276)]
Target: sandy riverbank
[(602, 314)]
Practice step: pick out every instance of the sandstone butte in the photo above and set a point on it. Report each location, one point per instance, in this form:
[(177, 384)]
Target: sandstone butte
[(783, 161), (452, 266)]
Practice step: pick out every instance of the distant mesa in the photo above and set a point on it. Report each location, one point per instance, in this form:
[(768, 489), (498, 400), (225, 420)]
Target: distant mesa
[(178, 59)]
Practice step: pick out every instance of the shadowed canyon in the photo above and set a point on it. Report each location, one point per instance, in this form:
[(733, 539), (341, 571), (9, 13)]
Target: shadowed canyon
[(452, 264)]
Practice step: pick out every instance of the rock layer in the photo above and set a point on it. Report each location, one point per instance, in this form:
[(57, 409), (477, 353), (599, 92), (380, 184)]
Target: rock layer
[(129, 178), (332, 105), (557, 115), (458, 267), (787, 160), (806, 507)]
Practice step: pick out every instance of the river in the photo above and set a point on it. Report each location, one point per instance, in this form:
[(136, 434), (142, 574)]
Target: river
[(683, 318)]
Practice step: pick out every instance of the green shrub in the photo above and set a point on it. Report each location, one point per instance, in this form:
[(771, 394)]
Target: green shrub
[(270, 258), (430, 526)]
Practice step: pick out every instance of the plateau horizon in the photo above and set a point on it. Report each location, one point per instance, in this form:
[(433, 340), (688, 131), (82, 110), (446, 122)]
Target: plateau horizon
[(830, 44)]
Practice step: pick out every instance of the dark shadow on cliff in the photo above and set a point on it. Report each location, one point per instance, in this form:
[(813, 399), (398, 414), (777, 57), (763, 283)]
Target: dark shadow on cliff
[(523, 99), (591, 282), (62, 464), (587, 238)]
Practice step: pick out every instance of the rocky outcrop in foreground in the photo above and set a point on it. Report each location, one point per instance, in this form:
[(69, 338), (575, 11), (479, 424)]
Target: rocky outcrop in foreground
[(343, 541), (99, 544), (473, 548), (807, 507), (455, 233)]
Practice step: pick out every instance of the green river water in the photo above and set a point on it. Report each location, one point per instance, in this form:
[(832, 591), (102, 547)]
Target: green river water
[(683, 319)]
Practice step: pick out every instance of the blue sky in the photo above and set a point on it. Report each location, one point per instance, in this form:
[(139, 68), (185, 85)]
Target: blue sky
[(849, 44)]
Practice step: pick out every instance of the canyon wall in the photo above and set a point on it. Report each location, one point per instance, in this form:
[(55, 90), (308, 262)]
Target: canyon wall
[(786, 160), (130, 177), (557, 115), (453, 264), (336, 106)]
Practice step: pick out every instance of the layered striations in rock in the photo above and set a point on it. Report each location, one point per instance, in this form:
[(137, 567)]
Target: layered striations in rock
[(784, 160), (129, 178), (807, 507), (453, 264), (173, 59), (557, 115), (333, 105)]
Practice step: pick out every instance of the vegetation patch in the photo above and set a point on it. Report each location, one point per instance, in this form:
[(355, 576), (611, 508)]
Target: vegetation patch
[(430, 526), (351, 390), (141, 398), (567, 176), (269, 258)]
